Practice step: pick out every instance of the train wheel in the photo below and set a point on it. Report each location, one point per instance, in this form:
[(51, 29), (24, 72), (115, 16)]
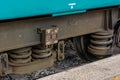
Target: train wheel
[(93, 47), (117, 34), (81, 44)]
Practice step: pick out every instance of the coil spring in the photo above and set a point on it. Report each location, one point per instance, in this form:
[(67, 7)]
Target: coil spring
[(20, 56), (41, 53), (100, 43)]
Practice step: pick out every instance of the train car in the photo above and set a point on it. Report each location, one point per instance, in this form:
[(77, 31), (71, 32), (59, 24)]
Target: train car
[(33, 33)]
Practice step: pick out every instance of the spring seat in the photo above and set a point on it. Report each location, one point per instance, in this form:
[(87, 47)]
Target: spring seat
[(20, 56)]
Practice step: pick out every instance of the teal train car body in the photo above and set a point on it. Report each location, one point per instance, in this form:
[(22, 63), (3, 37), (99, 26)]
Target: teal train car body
[(12, 9)]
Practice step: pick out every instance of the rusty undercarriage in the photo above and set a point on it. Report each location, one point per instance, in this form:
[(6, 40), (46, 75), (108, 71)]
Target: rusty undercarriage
[(38, 42)]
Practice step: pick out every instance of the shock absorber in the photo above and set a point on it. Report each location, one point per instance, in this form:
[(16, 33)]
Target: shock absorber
[(40, 52), (20, 56), (100, 43)]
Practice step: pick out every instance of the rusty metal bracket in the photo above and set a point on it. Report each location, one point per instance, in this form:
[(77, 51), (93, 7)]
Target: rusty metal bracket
[(48, 36), (3, 64), (61, 50)]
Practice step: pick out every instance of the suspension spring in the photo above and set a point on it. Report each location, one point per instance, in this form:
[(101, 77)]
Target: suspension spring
[(20, 56), (41, 53), (100, 43)]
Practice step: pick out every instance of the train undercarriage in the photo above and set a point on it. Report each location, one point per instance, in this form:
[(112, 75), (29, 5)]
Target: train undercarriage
[(31, 44)]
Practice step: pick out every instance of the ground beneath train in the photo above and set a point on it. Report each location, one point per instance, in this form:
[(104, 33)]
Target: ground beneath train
[(72, 60)]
